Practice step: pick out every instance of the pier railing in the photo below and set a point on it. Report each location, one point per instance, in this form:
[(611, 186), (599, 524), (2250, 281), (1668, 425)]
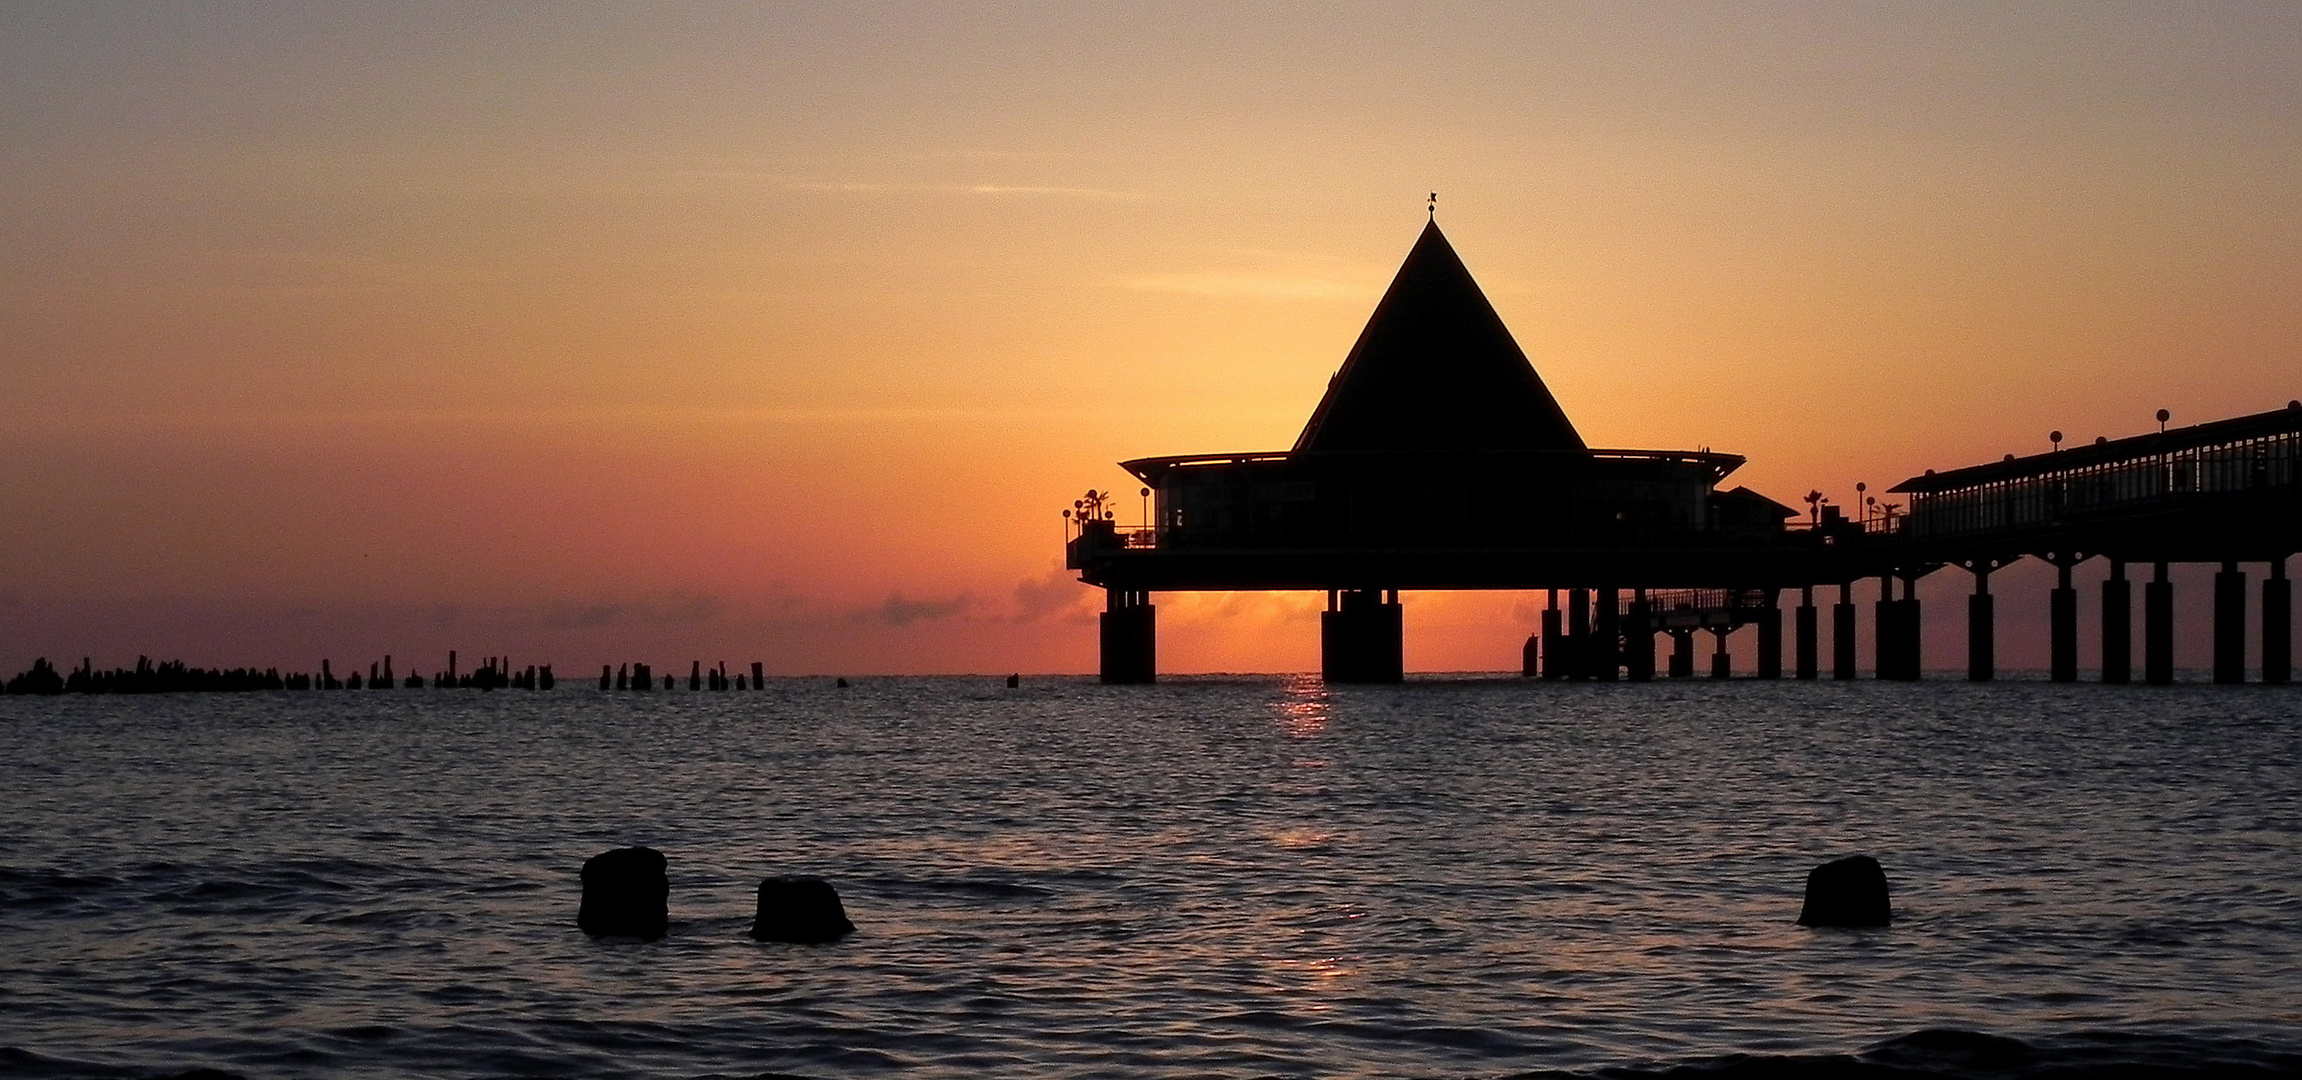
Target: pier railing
[(2249, 456)]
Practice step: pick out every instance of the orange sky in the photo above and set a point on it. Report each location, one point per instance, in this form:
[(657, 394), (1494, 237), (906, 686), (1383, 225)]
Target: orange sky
[(600, 333)]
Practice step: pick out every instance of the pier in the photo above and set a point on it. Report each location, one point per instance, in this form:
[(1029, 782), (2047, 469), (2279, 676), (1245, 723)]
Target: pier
[(1439, 460)]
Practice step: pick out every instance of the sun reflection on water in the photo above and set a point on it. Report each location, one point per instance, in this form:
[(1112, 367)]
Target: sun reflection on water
[(1301, 710)]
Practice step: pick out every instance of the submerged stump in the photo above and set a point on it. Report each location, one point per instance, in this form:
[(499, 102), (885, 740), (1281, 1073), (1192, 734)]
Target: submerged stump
[(800, 910), (1849, 892), (625, 894)]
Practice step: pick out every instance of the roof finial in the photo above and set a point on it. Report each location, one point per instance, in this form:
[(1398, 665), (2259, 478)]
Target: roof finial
[(1434, 206)]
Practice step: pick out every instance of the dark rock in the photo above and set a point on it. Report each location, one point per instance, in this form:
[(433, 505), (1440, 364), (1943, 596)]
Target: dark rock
[(801, 910), (1849, 892), (625, 894)]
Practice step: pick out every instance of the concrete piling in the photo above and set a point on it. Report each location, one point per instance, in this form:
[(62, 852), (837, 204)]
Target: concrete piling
[(799, 911), (1578, 634), (1554, 640), (2062, 624), (1130, 633), (1682, 653), (2117, 625), (1639, 639), (626, 893), (1842, 634), (1806, 649), (2230, 624), (1981, 629), (2158, 629), (1849, 892), (2277, 625), (1362, 639), (1604, 656), (1770, 637)]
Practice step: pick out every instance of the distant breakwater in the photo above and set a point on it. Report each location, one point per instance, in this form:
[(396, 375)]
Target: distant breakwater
[(494, 673)]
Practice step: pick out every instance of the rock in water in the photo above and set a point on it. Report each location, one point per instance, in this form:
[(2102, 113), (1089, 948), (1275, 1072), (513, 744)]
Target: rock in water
[(1849, 892), (625, 894), (801, 910)]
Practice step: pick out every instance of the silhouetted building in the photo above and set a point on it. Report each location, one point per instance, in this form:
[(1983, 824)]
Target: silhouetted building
[(1438, 459)]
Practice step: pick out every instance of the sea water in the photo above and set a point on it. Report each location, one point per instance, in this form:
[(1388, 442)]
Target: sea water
[(1253, 876)]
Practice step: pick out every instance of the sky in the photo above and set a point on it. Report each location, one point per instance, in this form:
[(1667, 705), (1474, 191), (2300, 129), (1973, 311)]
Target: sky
[(593, 333)]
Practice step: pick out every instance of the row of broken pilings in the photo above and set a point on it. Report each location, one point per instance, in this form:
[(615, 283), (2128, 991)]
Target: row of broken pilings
[(627, 893), (494, 673), (642, 677), (177, 677)]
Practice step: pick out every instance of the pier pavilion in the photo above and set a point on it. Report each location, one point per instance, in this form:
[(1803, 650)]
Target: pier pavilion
[(1438, 459)]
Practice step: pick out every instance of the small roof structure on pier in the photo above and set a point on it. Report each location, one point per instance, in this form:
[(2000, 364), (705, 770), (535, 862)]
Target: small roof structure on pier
[(1436, 370)]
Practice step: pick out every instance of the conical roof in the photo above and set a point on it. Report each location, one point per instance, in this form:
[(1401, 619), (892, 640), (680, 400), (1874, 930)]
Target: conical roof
[(1435, 369)]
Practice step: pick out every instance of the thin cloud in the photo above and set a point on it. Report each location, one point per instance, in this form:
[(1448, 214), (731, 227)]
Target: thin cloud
[(897, 610), (1046, 190), (1260, 286), (1055, 593), (672, 611)]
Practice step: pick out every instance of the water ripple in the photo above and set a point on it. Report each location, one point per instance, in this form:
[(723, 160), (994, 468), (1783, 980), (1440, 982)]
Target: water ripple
[(1211, 877)]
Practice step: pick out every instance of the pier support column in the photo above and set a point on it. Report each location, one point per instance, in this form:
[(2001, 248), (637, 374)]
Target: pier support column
[(1577, 652), (2117, 626), (1639, 639), (1770, 637), (2277, 625), (1981, 629), (1882, 628), (1898, 630), (1913, 632), (1722, 665), (1362, 639), (1809, 655), (1531, 657), (2158, 629), (1682, 653), (1606, 649), (1842, 659), (2062, 624), (1130, 636), (1554, 641), (2230, 624)]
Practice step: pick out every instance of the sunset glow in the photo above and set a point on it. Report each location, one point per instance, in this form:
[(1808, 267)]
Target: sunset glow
[(587, 334)]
